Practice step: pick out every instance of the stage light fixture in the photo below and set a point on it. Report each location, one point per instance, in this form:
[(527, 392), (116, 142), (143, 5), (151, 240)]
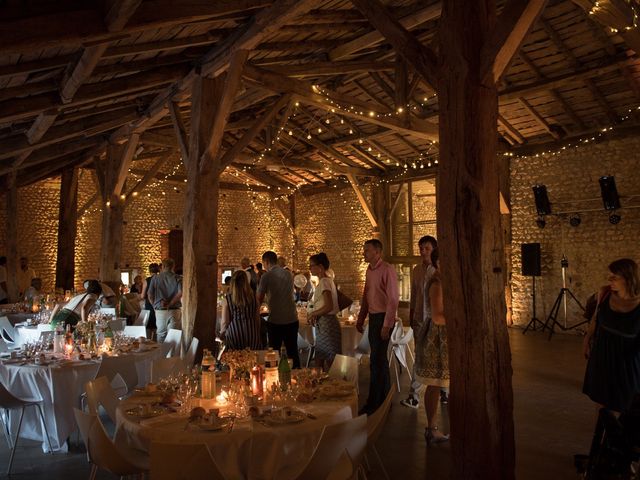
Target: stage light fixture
[(609, 192), (543, 206), (614, 218), (575, 220), (540, 222)]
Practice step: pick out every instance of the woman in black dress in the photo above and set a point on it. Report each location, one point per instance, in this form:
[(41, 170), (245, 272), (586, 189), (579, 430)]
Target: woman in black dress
[(154, 269), (612, 344)]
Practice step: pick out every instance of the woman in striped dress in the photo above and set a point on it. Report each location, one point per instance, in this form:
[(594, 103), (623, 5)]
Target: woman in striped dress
[(323, 313), (240, 315)]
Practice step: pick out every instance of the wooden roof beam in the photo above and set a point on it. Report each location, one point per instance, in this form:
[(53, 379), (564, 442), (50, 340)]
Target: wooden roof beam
[(375, 37), (252, 132), (340, 103), (148, 177), (13, 146), (511, 130), (363, 201), (86, 26), (217, 60), (615, 14), (318, 69), (422, 58), (538, 118), (515, 21)]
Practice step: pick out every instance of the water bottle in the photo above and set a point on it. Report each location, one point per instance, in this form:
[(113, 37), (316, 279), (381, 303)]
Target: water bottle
[(284, 370), (58, 340), (208, 378)]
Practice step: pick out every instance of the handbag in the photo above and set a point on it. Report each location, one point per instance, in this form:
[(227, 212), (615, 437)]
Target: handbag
[(343, 300)]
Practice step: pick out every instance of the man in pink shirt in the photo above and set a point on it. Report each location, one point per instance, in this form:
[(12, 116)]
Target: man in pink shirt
[(379, 301)]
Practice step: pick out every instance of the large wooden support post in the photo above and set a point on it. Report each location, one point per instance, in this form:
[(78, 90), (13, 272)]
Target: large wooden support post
[(112, 218), (472, 255), (12, 237), (200, 264), (67, 229)]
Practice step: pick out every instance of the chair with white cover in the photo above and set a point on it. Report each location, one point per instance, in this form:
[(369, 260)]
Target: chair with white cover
[(375, 423), (143, 318), (165, 367), (101, 393), (121, 373), (344, 368), (103, 453), (174, 338), (7, 331), (190, 356), (135, 331), (3, 346), (196, 462), (398, 350), (10, 402), (47, 336), (333, 444), (363, 348), (305, 346)]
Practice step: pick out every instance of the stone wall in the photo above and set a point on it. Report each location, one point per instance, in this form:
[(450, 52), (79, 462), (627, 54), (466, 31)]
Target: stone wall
[(572, 183), (249, 224), (334, 223)]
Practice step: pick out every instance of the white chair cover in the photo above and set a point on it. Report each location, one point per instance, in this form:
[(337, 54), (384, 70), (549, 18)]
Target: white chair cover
[(7, 331), (174, 338), (190, 356), (143, 318), (345, 368), (363, 347), (135, 331), (108, 311)]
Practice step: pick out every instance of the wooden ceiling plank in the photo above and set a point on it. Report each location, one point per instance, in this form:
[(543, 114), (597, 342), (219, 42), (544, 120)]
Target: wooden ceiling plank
[(369, 95), (557, 96), (422, 58), (375, 37), (513, 25), (538, 118)]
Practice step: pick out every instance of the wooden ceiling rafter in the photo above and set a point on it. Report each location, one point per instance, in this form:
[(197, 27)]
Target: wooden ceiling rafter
[(119, 13)]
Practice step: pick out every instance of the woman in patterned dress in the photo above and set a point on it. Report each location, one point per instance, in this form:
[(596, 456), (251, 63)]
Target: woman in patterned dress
[(323, 314), (240, 316), (432, 355)]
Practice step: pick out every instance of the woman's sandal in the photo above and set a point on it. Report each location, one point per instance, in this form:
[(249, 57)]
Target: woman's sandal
[(433, 436)]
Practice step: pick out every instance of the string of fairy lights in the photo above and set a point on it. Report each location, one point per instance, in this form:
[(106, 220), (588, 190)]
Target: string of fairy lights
[(600, 6), (582, 141)]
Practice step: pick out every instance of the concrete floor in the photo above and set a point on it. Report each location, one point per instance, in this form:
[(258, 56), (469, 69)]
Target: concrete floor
[(553, 421)]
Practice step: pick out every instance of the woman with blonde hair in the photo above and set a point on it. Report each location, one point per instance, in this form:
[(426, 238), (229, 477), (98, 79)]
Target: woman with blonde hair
[(240, 315)]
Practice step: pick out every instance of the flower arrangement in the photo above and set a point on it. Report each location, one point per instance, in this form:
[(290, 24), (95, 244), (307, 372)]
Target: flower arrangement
[(240, 362), (84, 329)]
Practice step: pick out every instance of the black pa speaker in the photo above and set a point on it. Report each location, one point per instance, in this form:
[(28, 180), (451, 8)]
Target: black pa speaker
[(531, 260)]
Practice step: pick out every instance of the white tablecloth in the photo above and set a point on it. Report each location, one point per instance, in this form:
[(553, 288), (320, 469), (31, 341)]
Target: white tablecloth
[(278, 452), (31, 333), (59, 388)]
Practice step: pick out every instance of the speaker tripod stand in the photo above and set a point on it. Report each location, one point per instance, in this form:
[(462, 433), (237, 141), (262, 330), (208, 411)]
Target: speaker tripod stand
[(561, 299), (533, 323)]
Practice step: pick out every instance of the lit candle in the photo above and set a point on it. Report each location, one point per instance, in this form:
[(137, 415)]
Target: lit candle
[(68, 349), (222, 398), (35, 308)]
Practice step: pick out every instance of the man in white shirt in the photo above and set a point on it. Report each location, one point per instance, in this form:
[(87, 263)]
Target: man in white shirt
[(420, 277)]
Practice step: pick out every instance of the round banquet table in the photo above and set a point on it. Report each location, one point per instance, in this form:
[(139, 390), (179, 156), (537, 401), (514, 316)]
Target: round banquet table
[(59, 385), (278, 451)]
